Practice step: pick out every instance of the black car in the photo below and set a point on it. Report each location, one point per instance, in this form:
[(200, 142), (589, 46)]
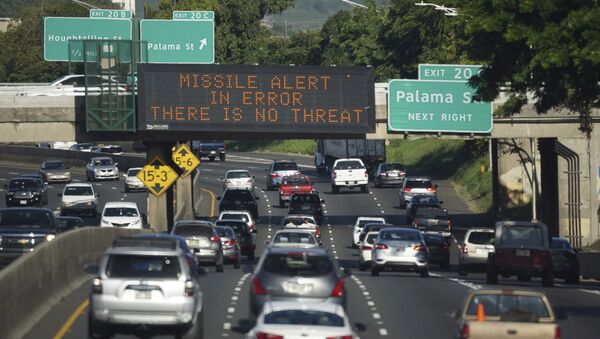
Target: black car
[(22, 229), (40, 179), (239, 200), (70, 223), (432, 219), (244, 235), (307, 204), (420, 200), (438, 249), (24, 192), (564, 259), (374, 227)]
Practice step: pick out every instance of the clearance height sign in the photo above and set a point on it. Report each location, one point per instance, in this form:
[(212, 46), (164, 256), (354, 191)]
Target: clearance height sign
[(261, 99)]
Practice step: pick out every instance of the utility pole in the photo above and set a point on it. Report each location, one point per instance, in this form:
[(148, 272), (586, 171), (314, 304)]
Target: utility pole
[(285, 28), (534, 188)]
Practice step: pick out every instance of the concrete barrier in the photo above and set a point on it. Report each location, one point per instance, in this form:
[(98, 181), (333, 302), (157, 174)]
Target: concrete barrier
[(589, 265), (33, 284)]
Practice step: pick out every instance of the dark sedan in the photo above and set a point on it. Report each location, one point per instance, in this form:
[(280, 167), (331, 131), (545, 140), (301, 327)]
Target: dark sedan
[(307, 203), (24, 192), (564, 259), (438, 249), (418, 201), (244, 235)]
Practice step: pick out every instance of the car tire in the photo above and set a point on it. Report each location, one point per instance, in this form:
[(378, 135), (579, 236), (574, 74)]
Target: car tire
[(362, 267), (237, 263), (251, 256), (222, 158), (548, 278), (211, 158), (97, 330), (195, 331), (424, 273), (375, 271), (572, 278), (219, 268), (365, 188), (126, 189), (462, 270), (491, 275), (335, 189), (281, 203)]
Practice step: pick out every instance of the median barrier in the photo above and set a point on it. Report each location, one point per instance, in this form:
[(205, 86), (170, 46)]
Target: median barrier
[(33, 284), (589, 265)]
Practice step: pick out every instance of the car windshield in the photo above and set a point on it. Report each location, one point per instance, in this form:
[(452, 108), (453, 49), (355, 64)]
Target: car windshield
[(294, 238), (419, 184), (26, 219), (23, 184), (55, 165), (434, 239), (481, 238), (306, 198), (349, 164), (297, 264), (237, 195), (285, 166), (120, 212), (133, 172), (432, 213), (374, 227), (78, 190), (304, 317), (224, 232), (237, 175), (143, 266), (400, 235), (499, 305), (193, 230), (522, 236), (234, 216), (238, 226), (425, 200), (560, 244), (295, 181), (70, 223), (391, 167), (103, 162), (363, 222)]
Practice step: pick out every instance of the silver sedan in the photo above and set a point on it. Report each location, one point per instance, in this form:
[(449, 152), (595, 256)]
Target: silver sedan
[(400, 249)]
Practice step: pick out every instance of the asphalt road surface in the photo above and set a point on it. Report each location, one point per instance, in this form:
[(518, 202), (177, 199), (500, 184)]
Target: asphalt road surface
[(393, 305)]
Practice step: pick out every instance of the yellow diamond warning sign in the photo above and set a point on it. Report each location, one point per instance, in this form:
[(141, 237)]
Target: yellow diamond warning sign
[(157, 176), (185, 159)]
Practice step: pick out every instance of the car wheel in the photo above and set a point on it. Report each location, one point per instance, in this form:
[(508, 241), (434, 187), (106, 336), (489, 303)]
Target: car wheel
[(237, 263), (374, 271), (97, 330), (548, 278), (424, 273), (281, 203), (211, 158), (222, 158), (251, 256), (362, 267), (462, 270), (220, 268), (491, 275), (126, 189), (365, 188), (335, 189), (193, 331)]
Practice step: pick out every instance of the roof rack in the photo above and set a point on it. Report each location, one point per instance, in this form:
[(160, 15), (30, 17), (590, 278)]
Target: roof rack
[(169, 244)]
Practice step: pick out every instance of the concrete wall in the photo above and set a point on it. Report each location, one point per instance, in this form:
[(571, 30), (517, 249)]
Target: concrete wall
[(34, 283)]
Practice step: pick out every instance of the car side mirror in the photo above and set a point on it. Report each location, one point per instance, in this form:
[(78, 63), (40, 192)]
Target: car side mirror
[(91, 269), (59, 195), (97, 195)]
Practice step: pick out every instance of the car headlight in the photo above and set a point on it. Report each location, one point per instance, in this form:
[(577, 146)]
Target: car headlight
[(136, 221), (96, 170), (104, 221), (50, 237), (36, 193)]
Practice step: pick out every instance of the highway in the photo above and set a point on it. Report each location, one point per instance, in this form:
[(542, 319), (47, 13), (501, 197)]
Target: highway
[(393, 305)]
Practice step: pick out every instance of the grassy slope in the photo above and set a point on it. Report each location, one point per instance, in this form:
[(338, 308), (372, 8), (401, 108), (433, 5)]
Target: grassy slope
[(277, 146)]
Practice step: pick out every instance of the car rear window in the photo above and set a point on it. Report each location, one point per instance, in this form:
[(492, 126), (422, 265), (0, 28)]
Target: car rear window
[(522, 236), (78, 190), (190, 230), (400, 235), (349, 164), (419, 184), (362, 223), (294, 238), (285, 166), (238, 226), (132, 172), (235, 216), (373, 228), (291, 181), (298, 264), (241, 195), (304, 317), (434, 240), (392, 167), (142, 266), (224, 232), (481, 238), (306, 198), (499, 305), (55, 165), (237, 175), (425, 199), (432, 213)]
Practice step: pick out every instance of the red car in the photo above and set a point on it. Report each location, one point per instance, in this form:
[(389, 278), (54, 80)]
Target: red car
[(293, 184)]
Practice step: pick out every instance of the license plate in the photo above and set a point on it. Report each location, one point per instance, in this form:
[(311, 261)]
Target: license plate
[(392, 174), (481, 251), (400, 249), (522, 253), (207, 252), (23, 202), (432, 221), (143, 294), (213, 152), (295, 288)]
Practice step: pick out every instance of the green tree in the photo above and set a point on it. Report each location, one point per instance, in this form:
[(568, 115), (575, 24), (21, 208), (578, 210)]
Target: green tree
[(550, 48)]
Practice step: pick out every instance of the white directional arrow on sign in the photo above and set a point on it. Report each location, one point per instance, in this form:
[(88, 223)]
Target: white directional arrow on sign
[(203, 43)]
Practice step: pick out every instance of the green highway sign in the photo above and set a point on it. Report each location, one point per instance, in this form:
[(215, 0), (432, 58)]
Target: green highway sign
[(436, 106), (62, 33), (110, 13), (179, 41), (193, 15), (447, 72)]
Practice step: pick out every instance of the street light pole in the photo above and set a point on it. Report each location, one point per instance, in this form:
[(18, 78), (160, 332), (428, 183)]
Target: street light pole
[(83, 4), (448, 11), (354, 4)]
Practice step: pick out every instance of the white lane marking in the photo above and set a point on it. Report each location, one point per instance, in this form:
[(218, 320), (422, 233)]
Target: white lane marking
[(376, 316), (98, 184), (76, 180), (325, 211), (208, 170), (382, 212), (225, 334), (234, 297), (114, 188), (2, 179), (590, 291), (122, 199), (252, 167), (370, 303), (458, 281), (237, 289), (383, 331), (125, 195), (227, 326), (13, 173)]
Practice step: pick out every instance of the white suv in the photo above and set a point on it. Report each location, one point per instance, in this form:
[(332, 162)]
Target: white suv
[(121, 214), (475, 248), (360, 223), (79, 198), (144, 282), (238, 215)]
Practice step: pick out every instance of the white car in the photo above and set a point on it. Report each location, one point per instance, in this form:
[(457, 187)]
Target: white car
[(360, 223), (365, 251), (475, 248), (283, 319), (79, 198), (238, 215), (121, 214), (132, 182), (240, 179), (293, 238)]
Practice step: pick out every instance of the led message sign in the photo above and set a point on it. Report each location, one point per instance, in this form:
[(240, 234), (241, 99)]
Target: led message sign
[(261, 99)]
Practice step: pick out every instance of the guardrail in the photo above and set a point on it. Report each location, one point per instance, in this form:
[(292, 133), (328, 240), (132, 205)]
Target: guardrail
[(33, 284)]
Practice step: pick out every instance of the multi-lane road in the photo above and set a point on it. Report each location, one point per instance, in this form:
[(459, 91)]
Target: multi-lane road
[(394, 305)]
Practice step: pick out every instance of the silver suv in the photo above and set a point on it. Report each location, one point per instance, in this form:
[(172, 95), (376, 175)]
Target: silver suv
[(416, 185), (400, 249), (101, 168), (278, 170), (203, 240), (144, 282)]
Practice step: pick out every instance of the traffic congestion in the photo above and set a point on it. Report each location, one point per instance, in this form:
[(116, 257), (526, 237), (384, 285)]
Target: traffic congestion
[(284, 251)]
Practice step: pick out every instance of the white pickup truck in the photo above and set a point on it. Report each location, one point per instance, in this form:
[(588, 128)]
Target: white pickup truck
[(349, 173)]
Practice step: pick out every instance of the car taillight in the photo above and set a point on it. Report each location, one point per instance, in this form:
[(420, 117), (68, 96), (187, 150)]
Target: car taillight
[(366, 174), (367, 248), (274, 175), (257, 287), (338, 290), (557, 332), (340, 337), (450, 225), (215, 239), (406, 189), (231, 242), (251, 227), (249, 181), (386, 174), (381, 246), (188, 291), (464, 332), (334, 175), (419, 248), (97, 286), (264, 335), (227, 182), (430, 189), (465, 249), (318, 232), (537, 259)]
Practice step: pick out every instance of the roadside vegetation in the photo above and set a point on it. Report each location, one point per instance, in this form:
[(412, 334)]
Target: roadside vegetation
[(277, 146)]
